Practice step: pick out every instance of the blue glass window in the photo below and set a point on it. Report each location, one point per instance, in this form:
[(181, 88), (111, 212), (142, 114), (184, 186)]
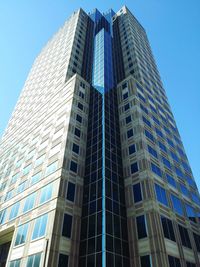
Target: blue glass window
[(147, 122), (21, 187), (46, 193), (21, 234), (174, 156), (134, 167), (2, 216), (144, 109), (190, 212), (34, 260), (156, 169), (40, 226), (149, 135), (171, 180), (184, 190), (177, 205), (14, 211), (130, 133), (152, 151), (52, 168), (179, 173), (132, 149), (166, 162), (159, 133), (161, 195), (15, 263), (29, 203), (36, 178), (162, 146)]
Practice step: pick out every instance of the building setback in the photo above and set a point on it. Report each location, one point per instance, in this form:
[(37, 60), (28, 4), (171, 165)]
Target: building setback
[(93, 172)]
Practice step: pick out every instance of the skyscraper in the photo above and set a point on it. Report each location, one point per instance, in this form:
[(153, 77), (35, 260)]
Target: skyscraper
[(92, 168)]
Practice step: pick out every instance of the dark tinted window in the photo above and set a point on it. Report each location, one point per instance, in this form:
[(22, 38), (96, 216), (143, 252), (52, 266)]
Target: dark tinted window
[(145, 261), (168, 229), (141, 227), (184, 236), (63, 260), (137, 195), (134, 167), (67, 225), (77, 132), (73, 166), (70, 191), (75, 148), (174, 262)]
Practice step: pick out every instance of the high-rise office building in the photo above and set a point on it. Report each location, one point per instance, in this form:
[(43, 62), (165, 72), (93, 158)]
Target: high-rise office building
[(93, 172)]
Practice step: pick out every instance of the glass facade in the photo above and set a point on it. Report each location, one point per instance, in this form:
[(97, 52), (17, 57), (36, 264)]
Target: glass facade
[(93, 172)]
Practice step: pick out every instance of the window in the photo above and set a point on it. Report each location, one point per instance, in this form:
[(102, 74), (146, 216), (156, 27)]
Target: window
[(128, 119), (156, 169), (77, 132), (184, 236), (147, 122), (161, 195), (130, 133), (171, 180), (15, 263), (71, 191), (197, 241), (149, 135), (21, 187), (141, 226), (179, 173), (132, 149), (39, 160), (2, 216), (168, 229), (29, 203), (78, 118), (159, 133), (134, 167), (46, 193), (145, 261), (190, 264), (36, 178), (73, 166), (14, 211), (126, 107), (52, 168), (34, 260), (166, 162), (80, 106), (67, 226), (162, 147), (27, 169), (63, 260), (137, 194), (75, 148), (177, 205), (125, 95), (190, 212), (14, 178), (152, 151), (21, 234), (40, 226), (184, 190), (9, 195), (174, 262)]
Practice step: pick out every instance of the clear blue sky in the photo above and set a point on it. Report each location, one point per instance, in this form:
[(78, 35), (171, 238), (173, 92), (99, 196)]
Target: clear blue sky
[(173, 28)]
